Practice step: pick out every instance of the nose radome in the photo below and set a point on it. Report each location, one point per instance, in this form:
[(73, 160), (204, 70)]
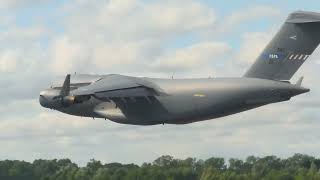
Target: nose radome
[(43, 101), (42, 93), (44, 98), (47, 98)]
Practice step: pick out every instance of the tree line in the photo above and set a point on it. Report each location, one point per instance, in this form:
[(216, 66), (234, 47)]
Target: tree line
[(297, 167)]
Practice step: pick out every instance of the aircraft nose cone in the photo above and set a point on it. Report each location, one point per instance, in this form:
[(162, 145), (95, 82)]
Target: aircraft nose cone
[(44, 98), (43, 101), (47, 100)]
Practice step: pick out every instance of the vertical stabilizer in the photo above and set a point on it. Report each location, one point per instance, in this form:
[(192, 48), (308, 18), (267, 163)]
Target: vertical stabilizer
[(289, 49)]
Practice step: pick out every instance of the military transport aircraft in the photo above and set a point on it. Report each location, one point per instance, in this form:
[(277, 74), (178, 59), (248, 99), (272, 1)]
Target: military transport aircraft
[(150, 101)]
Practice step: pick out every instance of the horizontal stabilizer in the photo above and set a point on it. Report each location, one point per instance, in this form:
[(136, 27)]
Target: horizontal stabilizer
[(299, 82), (303, 17)]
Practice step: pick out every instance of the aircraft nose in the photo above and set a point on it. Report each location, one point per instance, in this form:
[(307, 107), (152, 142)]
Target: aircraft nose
[(43, 101), (47, 100)]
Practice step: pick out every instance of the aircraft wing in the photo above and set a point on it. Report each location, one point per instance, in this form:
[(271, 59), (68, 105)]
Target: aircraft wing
[(118, 86)]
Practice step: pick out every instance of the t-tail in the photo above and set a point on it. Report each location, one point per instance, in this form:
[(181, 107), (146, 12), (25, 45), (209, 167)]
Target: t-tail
[(289, 49)]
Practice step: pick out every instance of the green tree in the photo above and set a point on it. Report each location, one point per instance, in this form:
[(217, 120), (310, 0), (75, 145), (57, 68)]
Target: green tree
[(297, 167), (164, 161), (102, 174), (210, 173), (21, 170), (82, 174), (44, 169), (217, 163), (93, 166), (236, 165)]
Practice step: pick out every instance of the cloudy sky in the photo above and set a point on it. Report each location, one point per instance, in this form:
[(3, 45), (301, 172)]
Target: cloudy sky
[(41, 40)]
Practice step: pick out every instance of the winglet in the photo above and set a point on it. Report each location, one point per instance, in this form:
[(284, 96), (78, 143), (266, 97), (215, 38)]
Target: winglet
[(65, 90), (299, 82)]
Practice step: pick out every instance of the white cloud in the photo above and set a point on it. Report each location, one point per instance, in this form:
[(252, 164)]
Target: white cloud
[(23, 40), (138, 19), (197, 55), (252, 46), (8, 61), (124, 34), (108, 55), (12, 4), (249, 14), (316, 57), (177, 17), (68, 55)]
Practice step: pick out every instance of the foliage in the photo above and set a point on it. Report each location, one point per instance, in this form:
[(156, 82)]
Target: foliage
[(297, 167)]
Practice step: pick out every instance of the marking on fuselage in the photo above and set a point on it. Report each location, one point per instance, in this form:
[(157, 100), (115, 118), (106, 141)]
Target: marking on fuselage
[(291, 56), (293, 37), (199, 95), (302, 55), (274, 56)]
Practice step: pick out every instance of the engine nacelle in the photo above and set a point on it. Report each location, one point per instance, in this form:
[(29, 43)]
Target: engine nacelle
[(70, 100)]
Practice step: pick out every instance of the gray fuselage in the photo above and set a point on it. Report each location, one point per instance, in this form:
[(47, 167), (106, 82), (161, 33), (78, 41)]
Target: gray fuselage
[(185, 100)]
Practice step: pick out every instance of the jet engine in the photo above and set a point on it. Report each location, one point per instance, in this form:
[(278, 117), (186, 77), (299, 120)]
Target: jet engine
[(67, 99)]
